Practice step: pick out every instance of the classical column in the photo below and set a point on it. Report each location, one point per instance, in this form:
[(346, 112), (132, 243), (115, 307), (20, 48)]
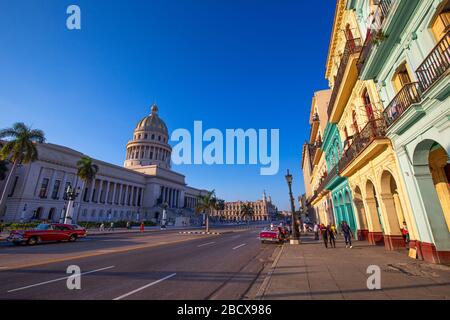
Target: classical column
[(141, 197), (113, 199), (127, 191), (100, 190), (130, 203), (375, 235), (170, 197), (392, 234), (51, 183), (107, 192)]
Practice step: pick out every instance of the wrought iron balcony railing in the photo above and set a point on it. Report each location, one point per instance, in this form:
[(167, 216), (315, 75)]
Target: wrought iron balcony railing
[(407, 96), (315, 117), (351, 47), (376, 26), (334, 172), (375, 129), (435, 64)]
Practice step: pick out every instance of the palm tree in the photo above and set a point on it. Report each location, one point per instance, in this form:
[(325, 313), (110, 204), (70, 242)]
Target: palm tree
[(207, 204), (247, 211), (21, 149), (87, 170)]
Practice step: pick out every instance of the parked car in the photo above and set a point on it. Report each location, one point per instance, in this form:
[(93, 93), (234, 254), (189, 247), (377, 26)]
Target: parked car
[(44, 232), (274, 234)]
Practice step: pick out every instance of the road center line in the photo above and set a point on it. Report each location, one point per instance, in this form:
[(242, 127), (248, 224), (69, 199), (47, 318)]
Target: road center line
[(239, 246), (205, 244), (144, 287), (55, 280)]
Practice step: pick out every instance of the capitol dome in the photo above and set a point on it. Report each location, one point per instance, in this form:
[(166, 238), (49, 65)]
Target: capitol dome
[(149, 145), (152, 123)]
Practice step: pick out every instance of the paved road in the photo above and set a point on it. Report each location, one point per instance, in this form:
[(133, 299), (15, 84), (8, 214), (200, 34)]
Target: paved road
[(197, 267)]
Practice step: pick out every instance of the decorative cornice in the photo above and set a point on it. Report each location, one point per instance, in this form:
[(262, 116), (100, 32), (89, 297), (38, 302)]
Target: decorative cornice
[(338, 16)]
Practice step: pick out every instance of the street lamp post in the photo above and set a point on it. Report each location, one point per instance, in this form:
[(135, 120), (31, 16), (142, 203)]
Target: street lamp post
[(70, 195), (164, 216), (295, 234)]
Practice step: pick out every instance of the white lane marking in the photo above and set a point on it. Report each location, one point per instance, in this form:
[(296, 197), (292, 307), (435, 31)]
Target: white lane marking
[(145, 287), (59, 279), (235, 237), (205, 244), (239, 246)]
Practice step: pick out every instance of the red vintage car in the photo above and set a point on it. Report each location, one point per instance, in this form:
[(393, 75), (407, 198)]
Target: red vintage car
[(274, 234), (47, 233)]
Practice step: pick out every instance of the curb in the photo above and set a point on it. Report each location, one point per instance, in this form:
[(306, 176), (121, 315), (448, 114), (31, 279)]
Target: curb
[(262, 289)]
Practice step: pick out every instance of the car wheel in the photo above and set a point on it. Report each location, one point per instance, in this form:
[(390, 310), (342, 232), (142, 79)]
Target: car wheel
[(16, 243), (73, 238), (32, 241)]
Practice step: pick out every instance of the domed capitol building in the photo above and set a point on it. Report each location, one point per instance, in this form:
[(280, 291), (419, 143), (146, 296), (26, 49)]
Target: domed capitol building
[(134, 192)]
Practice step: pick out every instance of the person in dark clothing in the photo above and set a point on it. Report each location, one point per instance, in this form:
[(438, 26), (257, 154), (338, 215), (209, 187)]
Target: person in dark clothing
[(331, 237), (324, 232), (347, 234)]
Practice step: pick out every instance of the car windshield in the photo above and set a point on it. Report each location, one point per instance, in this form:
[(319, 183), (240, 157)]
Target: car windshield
[(43, 226)]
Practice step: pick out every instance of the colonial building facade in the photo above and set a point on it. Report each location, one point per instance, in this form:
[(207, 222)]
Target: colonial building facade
[(388, 123), (134, 192), (263, 210)]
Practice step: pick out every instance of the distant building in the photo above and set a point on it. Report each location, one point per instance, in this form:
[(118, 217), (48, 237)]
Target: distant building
[(264, 210), (134, 192)]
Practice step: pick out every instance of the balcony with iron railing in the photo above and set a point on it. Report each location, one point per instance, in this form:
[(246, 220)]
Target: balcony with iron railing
[(408, 95), (374, 130), (435, 65), (352, 46), (374, 31), (331, 175)]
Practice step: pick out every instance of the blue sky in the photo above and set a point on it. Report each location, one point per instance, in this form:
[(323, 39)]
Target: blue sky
[(231, 64)]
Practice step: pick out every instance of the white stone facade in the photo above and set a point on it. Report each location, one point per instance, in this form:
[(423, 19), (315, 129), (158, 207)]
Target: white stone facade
[(263, 210), (135, 192)]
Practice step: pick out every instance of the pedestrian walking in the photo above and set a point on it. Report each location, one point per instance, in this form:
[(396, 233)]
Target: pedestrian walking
[(348, 234), (316, 231), (324, 232), (102, 227), (111, 226), (142, 227), (331, 236), (128, 225), (334, 230), (405, 232)]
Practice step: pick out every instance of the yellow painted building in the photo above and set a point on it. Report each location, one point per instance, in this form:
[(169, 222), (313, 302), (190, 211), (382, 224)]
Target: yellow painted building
[(368, 161)]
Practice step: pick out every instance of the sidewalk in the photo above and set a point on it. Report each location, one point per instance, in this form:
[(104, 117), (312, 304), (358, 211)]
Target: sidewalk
[(309, 271)]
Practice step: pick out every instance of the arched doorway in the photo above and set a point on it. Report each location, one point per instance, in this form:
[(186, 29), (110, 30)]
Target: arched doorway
[(348, 208), (393, 210), (375, 235), (337, 209), (363, 228), (51, 214), (431, 172), (344, 214), (39, 214)]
